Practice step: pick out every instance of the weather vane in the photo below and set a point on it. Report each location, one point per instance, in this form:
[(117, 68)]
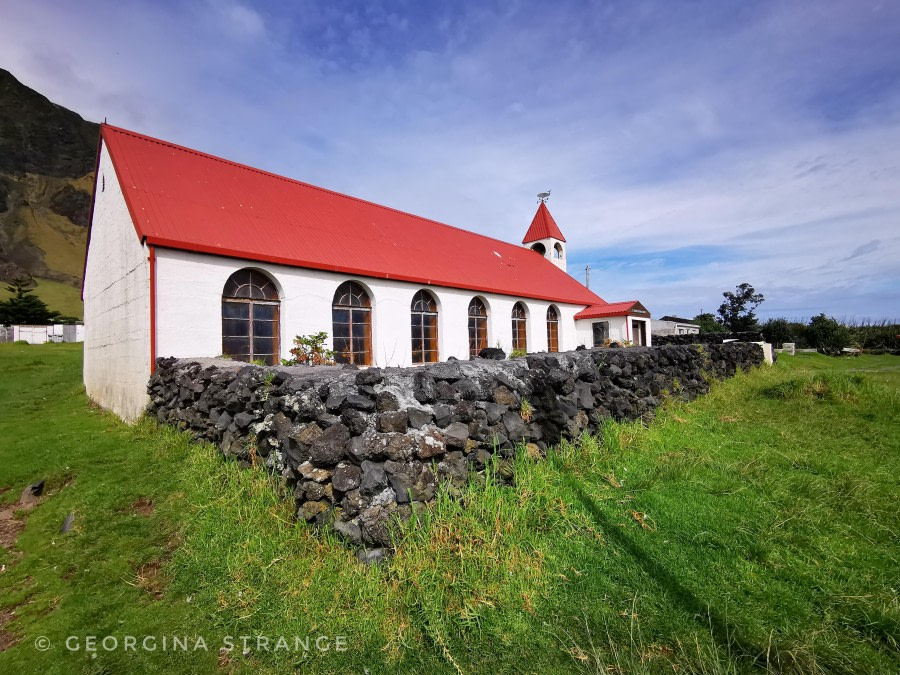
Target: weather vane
[(543, 196)]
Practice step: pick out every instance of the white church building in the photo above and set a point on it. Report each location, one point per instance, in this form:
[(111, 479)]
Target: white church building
[(191, 255)]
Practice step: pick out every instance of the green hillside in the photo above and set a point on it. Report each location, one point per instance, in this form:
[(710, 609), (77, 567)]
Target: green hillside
[(47, 156)]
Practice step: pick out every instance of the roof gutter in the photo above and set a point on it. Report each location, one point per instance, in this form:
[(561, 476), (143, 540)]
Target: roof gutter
[(152, 260)]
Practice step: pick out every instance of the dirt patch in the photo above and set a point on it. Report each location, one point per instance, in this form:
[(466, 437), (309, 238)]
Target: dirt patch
[(149, 579), (7, 639), (10, 526), (144, 506)]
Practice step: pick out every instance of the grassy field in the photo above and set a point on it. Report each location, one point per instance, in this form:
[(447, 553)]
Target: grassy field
[(61, 297), (754, 529)]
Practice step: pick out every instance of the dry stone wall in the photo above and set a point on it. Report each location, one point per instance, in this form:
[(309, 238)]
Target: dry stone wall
[(706, 338), (356, 447)]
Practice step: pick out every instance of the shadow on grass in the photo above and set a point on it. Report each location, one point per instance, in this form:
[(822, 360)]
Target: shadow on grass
[(725, 634)]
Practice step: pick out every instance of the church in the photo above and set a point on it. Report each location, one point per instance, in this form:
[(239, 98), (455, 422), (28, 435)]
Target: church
[(191, 255)]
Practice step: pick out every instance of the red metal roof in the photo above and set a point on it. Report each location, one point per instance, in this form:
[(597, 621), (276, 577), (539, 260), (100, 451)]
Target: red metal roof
[(612, 309), (543, 226), (184, 199)]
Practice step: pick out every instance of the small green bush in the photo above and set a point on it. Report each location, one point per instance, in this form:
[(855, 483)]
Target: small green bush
[(309, 350)]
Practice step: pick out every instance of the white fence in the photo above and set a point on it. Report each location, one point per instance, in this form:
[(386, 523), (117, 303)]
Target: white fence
[(38, 335)]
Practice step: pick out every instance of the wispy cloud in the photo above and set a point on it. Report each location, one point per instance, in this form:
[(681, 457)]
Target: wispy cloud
[(689, 149), (869, 247)]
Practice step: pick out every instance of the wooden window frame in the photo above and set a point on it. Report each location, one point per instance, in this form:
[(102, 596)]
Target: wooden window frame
[(359, 357), (237, 292), (478, 326), (519, 327), (552, 329), (424, 311)]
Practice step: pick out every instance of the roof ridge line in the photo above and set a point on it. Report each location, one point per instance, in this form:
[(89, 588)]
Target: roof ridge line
[(295, 181)]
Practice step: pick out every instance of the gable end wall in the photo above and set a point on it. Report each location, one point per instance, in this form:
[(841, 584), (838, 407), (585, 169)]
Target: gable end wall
[(116, 303)]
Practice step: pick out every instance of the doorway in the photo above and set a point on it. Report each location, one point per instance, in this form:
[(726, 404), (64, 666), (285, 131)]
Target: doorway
[(639, 330)]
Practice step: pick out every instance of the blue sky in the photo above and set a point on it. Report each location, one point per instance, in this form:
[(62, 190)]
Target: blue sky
[(690, 146)]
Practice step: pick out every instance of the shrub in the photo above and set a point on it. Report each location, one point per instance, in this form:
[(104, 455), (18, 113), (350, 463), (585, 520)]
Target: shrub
[(827, 335), (309, 350)]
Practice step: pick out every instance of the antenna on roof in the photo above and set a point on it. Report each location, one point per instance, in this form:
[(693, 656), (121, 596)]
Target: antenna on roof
[(543, 196)]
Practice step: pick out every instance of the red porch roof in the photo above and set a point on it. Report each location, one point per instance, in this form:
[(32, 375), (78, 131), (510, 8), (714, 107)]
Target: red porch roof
[(184, 199), (613, 309)]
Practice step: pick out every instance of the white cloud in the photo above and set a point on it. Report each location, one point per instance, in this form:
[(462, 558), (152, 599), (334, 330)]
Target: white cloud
[(239, 20)]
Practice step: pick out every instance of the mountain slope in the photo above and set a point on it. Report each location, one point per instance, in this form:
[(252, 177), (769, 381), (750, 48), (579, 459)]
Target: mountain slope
[(47, 156)]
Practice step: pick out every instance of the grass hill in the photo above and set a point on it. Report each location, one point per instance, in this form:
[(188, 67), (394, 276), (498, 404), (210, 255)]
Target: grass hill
[(47, 156)]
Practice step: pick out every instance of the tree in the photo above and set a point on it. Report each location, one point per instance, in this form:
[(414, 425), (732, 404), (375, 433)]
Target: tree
[(827, 335), (708, 323), (777, 331), (737, 311), (25, 308)]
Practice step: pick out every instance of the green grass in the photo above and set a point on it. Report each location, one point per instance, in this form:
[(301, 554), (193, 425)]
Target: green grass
[(60, 297), (753, 529)]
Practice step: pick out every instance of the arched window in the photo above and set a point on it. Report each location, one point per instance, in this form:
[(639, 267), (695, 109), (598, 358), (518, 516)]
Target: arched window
[(478, 334), (539, 248), (424, 318), (519, 331), (557, 250), (250, 317), (351, 319), (552, 329)]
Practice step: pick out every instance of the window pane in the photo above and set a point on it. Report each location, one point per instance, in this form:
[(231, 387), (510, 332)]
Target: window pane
[(264, 329), (341, 331), (429, 330), (340, 317), (264, 311), (359, 315), (235, 345), (235, 327), (235, 310), (263, 345), (342, 350)]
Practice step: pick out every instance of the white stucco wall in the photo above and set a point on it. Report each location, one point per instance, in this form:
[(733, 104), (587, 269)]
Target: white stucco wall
[(189, 294), (619, 330), (116, 303), (674, 328)]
